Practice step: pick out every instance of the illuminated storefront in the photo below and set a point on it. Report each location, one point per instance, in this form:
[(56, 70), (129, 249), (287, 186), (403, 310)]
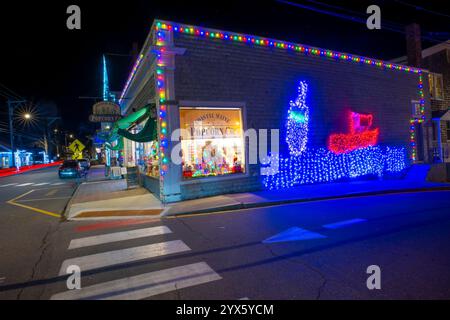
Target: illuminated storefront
[(205, 90)]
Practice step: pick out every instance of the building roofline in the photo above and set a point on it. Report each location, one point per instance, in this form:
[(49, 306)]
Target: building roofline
[(261, 41), (436, 48)]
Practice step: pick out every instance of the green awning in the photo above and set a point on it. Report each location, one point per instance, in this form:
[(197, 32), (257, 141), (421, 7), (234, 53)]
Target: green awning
[(117, 147), (146, 134), (127, 121)]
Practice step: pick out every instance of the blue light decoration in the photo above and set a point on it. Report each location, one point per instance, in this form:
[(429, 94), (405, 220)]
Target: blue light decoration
[(107, 95), (306, 165), (297, 122)]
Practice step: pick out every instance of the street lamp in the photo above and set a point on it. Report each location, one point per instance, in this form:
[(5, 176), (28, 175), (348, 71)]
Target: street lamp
[(27, 116), (11, 106)]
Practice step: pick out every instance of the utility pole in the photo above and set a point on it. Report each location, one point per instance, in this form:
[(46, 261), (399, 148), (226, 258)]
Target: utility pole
[(11, 106)]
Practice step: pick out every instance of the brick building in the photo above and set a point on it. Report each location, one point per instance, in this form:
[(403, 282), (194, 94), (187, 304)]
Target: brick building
[(435, 61), (339, 116)]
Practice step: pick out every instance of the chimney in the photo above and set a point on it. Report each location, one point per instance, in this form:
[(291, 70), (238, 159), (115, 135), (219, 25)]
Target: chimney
[(413, 45)]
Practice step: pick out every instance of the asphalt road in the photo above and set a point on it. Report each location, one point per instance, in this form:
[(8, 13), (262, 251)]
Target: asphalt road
[(227, 255), (39, 197)]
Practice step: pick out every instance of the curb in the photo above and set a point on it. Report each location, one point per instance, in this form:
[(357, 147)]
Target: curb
[(243, 206), (69, 204)]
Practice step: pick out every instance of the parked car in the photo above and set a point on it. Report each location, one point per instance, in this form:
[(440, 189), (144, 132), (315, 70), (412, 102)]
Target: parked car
[(85, 164), (70, 169)]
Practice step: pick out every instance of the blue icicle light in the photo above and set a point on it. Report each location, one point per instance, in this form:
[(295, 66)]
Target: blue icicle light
[(297, 122)]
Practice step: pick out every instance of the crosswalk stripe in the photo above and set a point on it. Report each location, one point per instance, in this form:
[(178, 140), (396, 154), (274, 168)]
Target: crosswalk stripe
[(41, 184), (24, 184), (9, 184), (118, 236), (124, 255), (145, 285)]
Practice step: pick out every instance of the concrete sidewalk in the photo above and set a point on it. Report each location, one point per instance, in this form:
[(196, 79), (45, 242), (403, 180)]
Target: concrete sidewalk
[(301, 194), (101, 198), (111, 195)]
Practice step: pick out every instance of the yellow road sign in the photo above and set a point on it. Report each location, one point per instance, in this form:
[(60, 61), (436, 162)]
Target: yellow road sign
[(76, 146), (77, 155)]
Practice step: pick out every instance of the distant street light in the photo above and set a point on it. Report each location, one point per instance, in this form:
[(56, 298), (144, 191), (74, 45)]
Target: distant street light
[(71, 136), (27, 116)]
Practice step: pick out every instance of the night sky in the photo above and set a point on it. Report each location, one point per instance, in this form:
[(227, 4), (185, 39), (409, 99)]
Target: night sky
[(42, 60)]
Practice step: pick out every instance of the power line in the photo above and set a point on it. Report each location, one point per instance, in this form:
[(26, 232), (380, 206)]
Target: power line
[(386, 26), (13, 93), (419, 8)]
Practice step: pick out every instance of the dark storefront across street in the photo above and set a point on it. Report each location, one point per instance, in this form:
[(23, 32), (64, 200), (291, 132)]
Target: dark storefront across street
[(339, 116)]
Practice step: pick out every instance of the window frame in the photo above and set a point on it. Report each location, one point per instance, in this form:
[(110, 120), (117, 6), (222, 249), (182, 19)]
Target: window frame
[(448, 130), (218, 105), (435, 79)]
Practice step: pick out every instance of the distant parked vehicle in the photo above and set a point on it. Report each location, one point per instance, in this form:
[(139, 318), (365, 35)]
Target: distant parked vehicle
[(85, 164), (70, 169)]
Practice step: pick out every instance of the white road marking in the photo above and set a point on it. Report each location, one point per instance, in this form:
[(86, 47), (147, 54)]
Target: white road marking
[(244, 298), (124, 255), (41, 184), (24, 184), (52, 192), (9, 184), (344, 223), (58, 183), (118, 236), (145, 285), (294, 234)]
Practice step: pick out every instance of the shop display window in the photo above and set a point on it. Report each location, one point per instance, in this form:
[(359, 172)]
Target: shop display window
[(212, 142)]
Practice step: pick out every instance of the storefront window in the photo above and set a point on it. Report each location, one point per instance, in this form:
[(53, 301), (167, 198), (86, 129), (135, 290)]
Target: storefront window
[(148, 160), (212, 142)]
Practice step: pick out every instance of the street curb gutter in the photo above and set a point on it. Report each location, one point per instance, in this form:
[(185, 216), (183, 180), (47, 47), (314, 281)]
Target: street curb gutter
[(69, 203), (242, 206)]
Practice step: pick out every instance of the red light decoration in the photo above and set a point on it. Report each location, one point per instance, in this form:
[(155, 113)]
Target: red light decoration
[(360, 135)]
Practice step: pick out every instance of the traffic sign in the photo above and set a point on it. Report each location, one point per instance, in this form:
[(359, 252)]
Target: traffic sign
[(76, 146), (77, 156)]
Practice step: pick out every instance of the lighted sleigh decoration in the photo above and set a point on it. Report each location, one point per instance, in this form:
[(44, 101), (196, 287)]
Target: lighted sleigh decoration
[(350, 154)]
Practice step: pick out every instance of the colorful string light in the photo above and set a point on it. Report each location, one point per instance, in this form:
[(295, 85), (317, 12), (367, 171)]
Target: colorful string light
[(161, 85), (266, 42), (414, 120), (130, 77), (307, 50)]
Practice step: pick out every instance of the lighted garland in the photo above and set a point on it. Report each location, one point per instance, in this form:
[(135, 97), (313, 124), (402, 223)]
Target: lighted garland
[(130, 77), (414, 121), (307, 50), (160, 81)]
